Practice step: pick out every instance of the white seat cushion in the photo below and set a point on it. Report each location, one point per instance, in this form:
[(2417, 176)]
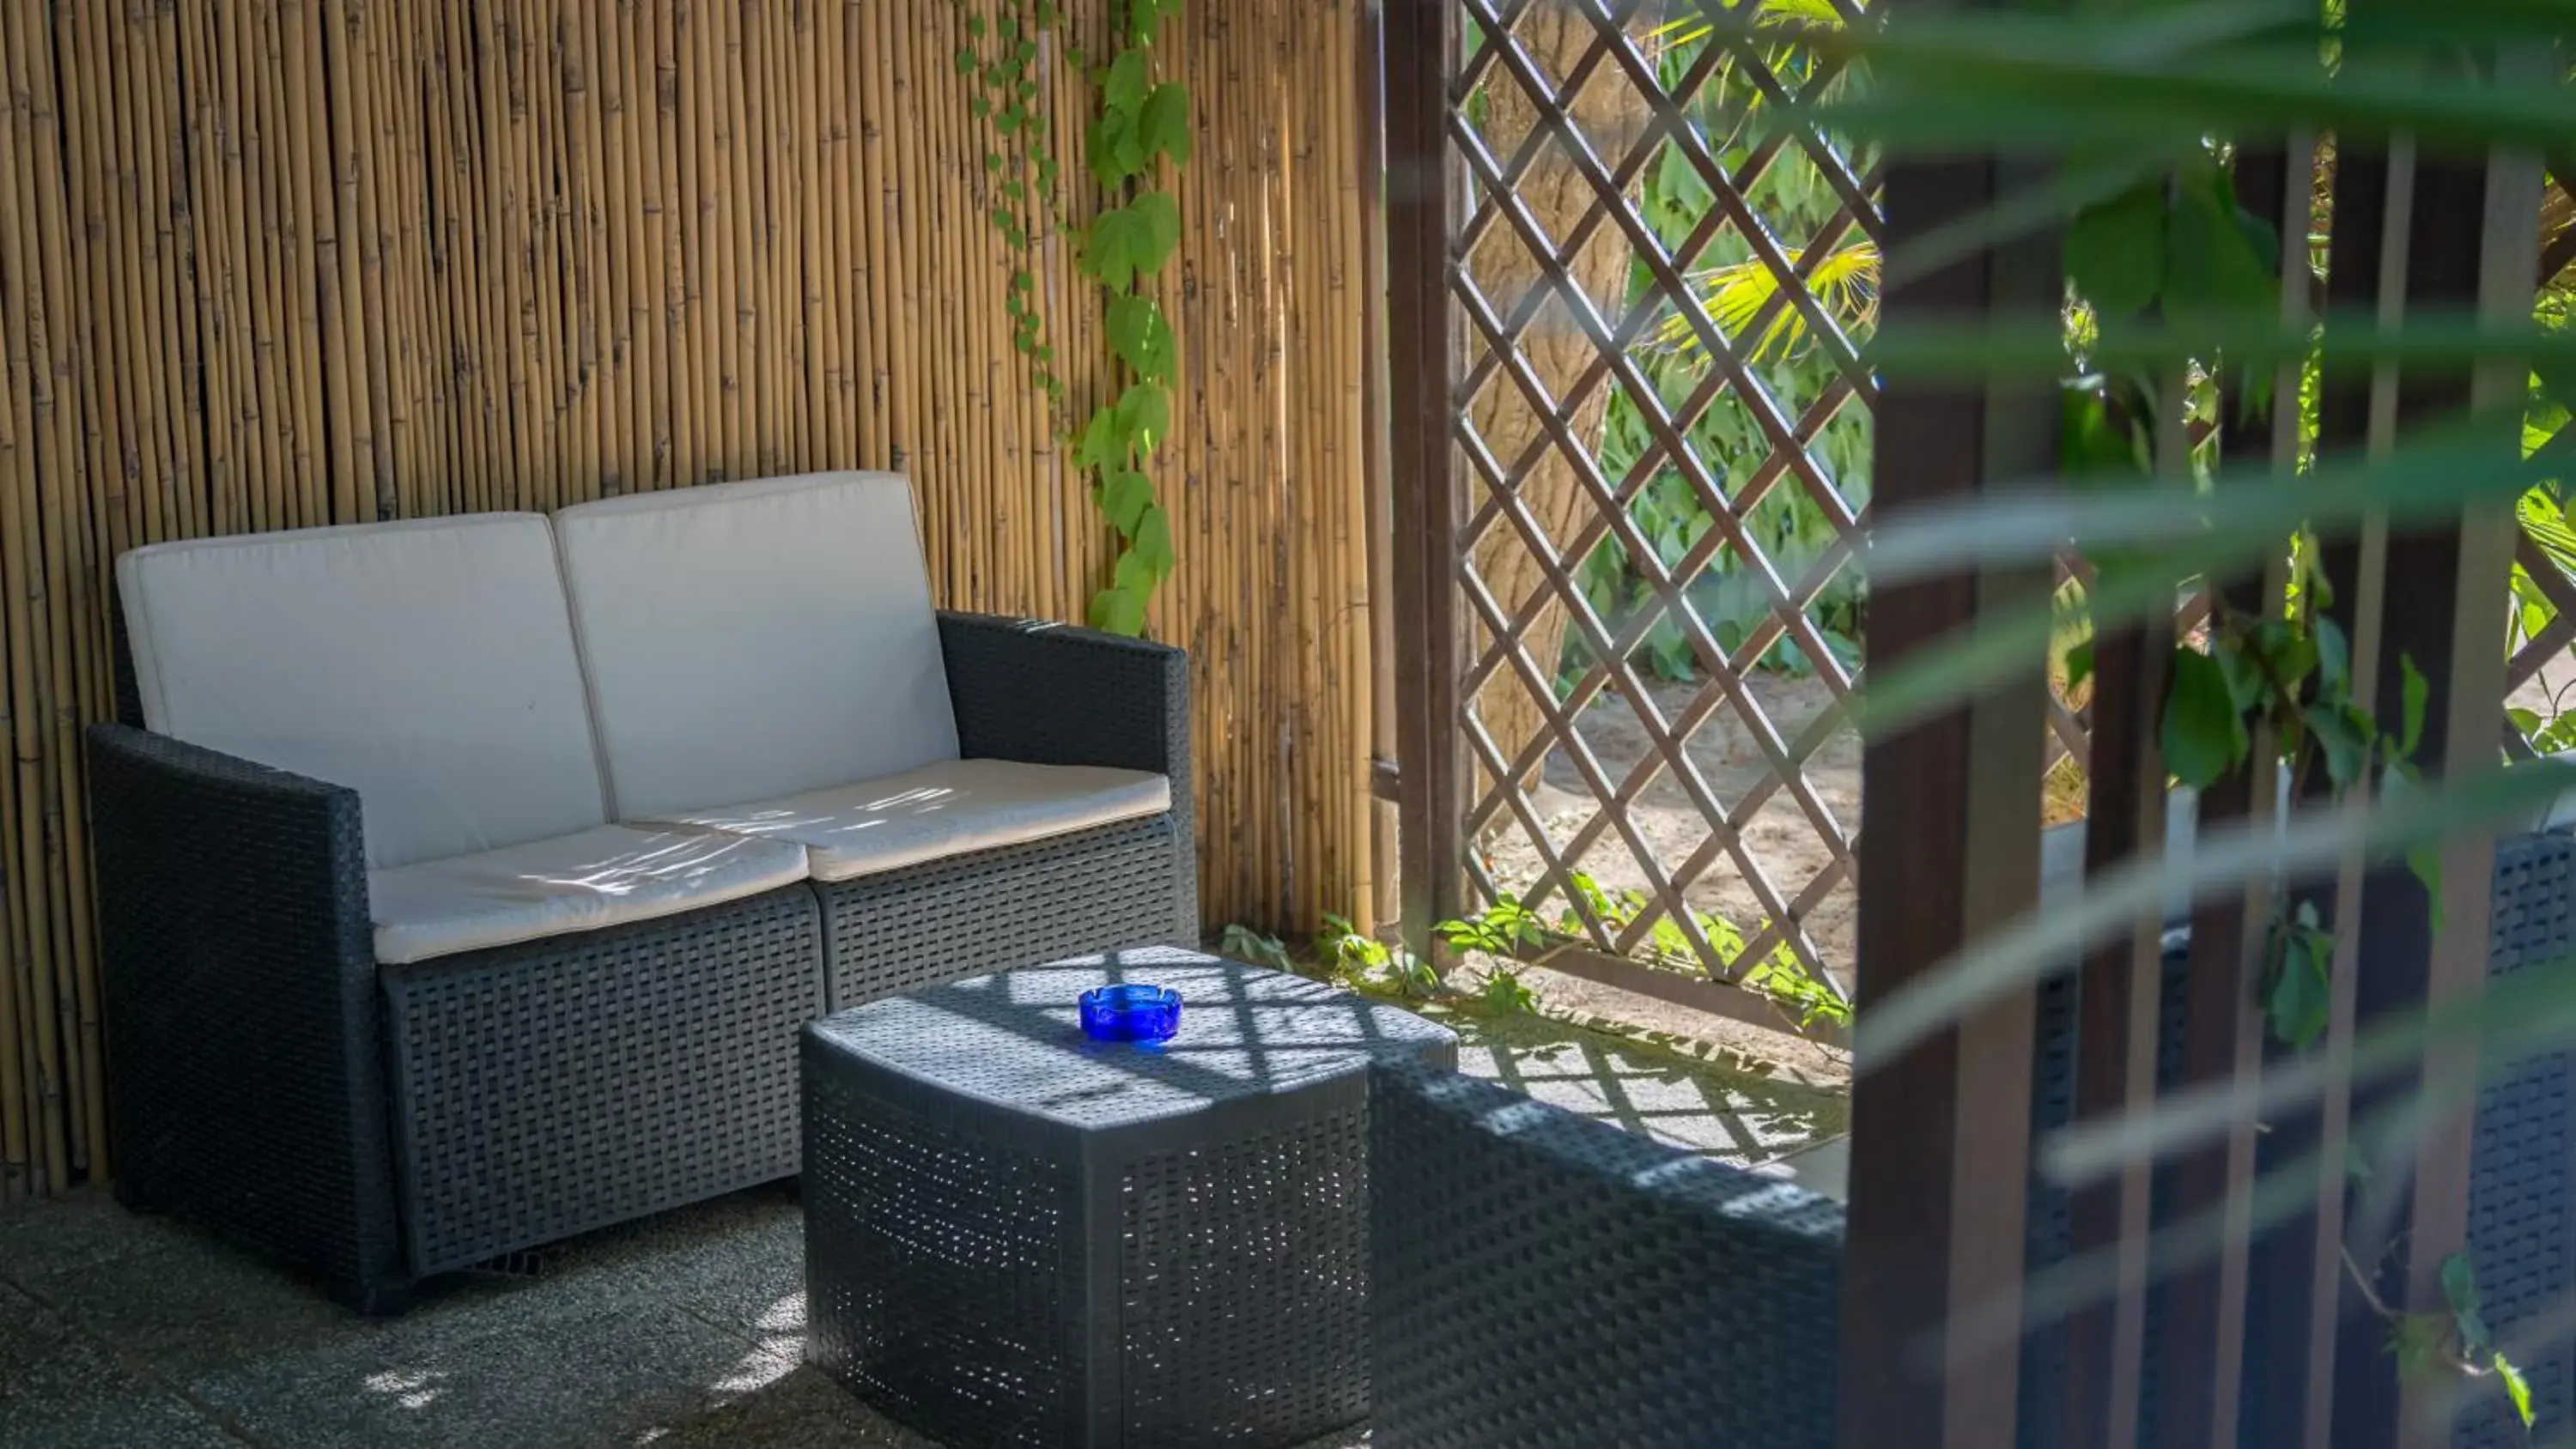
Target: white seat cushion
[(940, 810), (428, 665), (745, 641), (603, 877)]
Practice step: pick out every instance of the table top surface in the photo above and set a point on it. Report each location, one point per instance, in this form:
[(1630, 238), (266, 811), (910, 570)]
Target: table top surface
[(1014, 1038)]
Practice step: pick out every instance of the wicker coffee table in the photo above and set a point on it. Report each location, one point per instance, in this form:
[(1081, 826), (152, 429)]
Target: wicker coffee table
[(1015, 1235)]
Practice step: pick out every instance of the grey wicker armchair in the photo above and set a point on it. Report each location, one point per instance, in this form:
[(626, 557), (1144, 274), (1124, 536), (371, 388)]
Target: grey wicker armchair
[(416, 950), (1542, 1279)]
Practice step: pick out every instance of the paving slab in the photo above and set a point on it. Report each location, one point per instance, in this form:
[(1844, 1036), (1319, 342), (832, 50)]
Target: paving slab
[(59, 1390)]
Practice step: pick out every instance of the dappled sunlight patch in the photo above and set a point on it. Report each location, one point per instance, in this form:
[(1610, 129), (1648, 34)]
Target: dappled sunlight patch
[(413, 1389)]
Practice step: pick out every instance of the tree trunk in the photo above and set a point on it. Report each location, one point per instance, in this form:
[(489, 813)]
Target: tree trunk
[(1610, 114)]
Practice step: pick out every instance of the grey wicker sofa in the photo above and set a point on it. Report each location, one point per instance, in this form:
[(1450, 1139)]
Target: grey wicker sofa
[(1543, 1280), (463, 883)]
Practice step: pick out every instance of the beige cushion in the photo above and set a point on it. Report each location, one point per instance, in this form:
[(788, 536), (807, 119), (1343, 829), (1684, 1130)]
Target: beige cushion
[(940, 810), (428, 665), (603, 877), (751, 640)]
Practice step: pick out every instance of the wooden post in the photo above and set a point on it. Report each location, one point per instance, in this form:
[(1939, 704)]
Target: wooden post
[(2201, 1342), (1421, 41), (2470, 245), (1940, 1153)]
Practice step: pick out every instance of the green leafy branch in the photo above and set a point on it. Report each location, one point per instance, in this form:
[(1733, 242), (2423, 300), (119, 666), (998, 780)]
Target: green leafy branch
[(999, 60), (2182, 252), (1142, 121), (2453, 1341), (1362, 958), (1508, 929)]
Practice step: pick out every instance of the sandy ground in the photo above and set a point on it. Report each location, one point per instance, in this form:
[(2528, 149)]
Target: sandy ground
[(1780, 837)]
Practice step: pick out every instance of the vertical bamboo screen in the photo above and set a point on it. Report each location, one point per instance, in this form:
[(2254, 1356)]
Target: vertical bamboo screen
[(277, 263)]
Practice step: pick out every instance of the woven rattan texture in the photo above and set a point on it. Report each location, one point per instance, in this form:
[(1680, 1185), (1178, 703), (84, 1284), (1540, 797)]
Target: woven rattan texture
[(1205, 1205), (246, 1083), (1542, 1279), (935, 1270), (1247, 1321), (2522, 1197), (544, 1089), (2047, 1233), (1089, 891), (1052, 694)]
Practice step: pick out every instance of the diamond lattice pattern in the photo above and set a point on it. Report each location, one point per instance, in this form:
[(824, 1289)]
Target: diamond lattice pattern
[(1665, 425)]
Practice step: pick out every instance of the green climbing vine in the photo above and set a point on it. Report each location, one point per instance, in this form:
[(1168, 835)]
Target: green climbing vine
[(2181, 253), (999, 60), (1142, 121)]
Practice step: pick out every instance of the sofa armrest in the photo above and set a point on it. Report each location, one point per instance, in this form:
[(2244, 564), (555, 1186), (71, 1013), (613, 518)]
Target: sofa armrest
[(1538, 1277), (1056, 694), (244, 1053)]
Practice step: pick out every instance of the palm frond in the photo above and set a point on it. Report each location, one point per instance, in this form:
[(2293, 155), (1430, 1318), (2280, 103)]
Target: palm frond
[(1845, 282), (1764, 15)]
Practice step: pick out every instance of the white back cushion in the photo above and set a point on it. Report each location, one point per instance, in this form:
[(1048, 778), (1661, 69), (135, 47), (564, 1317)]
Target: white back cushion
[(749, 640), (428, 665)]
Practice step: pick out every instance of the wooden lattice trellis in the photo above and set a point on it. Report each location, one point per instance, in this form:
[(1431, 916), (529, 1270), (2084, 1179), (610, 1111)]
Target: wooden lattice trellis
[(1560, 288), (1516, 278)]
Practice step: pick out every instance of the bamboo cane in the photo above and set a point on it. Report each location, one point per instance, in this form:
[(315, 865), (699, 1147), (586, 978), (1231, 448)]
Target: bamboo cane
[(21, 1086), (353, 369)]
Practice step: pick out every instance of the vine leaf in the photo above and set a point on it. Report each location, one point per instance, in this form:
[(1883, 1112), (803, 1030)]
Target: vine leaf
[(2424, 861), (1111, 150), (2516, 1387), (1125, 494), (1162, 218), (2426, 864), (2288, 653), (1163, 124), (1131, 241), (1119, 248), (1153, 546), (1109, 253), (2203, 735), (2214, 263), (1124, 90), (2344, 733), (1140, 336), (2088, 444), (1100, 445), (2300, 999), (2246, 686), (1145, 415), (2334, 658), (1133, 574), (1118, 611), (2115, 252), (2417, 692)]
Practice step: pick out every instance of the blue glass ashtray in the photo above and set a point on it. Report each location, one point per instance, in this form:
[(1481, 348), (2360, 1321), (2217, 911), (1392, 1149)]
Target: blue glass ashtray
[(1131, 1012)]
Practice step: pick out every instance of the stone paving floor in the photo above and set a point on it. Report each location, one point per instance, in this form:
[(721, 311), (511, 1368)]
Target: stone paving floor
[(684, 1332)]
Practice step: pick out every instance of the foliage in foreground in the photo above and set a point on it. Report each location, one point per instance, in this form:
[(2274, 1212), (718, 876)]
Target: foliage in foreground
[(2139, 111)]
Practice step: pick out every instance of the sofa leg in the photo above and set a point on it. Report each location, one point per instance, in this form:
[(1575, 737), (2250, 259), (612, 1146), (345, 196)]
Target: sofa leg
[(130, 1200), (374, 1300)]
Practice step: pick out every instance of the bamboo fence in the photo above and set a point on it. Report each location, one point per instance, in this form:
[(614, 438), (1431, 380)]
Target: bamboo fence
[(277, 263)]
